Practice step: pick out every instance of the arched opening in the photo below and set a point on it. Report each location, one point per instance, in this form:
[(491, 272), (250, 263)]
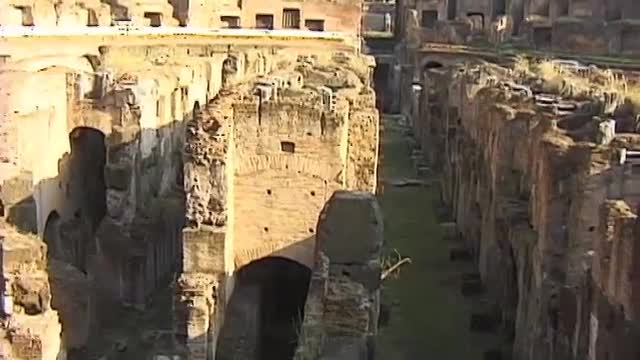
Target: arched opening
[(477, 19), (229, 70), (499, 8), (264, 313), (87, 187), (381, 75), (517, 13), (431, 65), (452, 9), (51, 235)]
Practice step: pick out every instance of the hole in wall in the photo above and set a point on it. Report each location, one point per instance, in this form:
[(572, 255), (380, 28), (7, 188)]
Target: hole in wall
[(429, 18), (592, 228), (155, 19), (266, 229), (313, 193), (268, 191), (288, 146), (311, 230), (269, 294)]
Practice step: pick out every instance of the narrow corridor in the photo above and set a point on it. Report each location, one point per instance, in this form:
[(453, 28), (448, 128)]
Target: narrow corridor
[(429, 317)]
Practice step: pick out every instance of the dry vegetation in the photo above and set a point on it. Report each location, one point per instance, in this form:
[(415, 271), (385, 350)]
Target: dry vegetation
[(592, 82)]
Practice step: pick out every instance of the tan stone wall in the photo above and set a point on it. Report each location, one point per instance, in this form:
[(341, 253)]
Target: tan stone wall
[(271, 185)]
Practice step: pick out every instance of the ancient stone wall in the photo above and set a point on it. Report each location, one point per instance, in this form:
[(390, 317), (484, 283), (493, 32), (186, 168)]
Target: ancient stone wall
[(577, 26), (343, 304), (538, 183), (29, 327), (261, 160)]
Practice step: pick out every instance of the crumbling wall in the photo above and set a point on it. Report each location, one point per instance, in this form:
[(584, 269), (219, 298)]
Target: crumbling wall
[(343, 304), (526, 175), (262, 158), (29, 327)]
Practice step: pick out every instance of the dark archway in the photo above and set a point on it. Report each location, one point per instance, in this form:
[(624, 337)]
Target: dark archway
[(265, 311), (381, 75), (431, 65), (51, 235), (86, 174), (499, 8), (517, 14), (452, 9)]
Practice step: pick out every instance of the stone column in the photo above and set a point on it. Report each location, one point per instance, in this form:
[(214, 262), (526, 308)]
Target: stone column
[(205, 243)]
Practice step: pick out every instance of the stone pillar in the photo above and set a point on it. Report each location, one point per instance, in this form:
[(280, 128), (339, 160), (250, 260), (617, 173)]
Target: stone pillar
[(205, 245)]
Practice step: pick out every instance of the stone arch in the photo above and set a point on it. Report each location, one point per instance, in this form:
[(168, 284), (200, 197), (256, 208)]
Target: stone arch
[(259, 322), (79, 64), (51, 235)]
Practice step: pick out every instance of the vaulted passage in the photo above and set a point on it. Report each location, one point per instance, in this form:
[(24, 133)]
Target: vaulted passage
[(265, 310), (88, 157), (69, 236)]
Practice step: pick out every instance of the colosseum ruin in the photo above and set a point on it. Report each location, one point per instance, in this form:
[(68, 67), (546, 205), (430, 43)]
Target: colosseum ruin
[(319, 180)]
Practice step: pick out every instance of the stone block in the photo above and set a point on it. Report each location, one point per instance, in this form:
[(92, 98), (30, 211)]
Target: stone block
[(20, 251), (32, 294), (350, 228), (17, 189), (203, 251)]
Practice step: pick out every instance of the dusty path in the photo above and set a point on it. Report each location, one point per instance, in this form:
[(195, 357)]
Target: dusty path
[(429, 317)]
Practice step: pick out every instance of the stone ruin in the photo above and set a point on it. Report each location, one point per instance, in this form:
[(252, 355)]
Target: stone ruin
[(541, 186), (151, 173)]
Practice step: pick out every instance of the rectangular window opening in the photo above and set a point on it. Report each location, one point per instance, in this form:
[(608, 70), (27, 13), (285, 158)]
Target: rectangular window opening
[(264, 21), (230, 22), (155, 19), (291, 19), (314, 24), (288, 146), (429, 18)]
